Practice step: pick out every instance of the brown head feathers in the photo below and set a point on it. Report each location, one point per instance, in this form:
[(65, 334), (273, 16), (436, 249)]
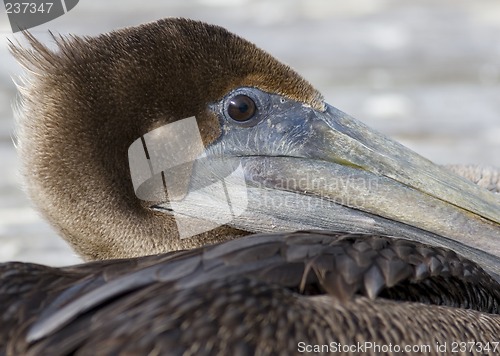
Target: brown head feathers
[(85, 103)]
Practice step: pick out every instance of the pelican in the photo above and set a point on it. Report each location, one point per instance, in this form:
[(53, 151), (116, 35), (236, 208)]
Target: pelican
[(346, 242)]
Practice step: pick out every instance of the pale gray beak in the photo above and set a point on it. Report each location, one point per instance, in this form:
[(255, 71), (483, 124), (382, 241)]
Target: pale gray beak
[(325, 170)]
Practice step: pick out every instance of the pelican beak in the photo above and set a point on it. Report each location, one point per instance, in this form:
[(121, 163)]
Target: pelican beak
[(307, 168), (330, 156)]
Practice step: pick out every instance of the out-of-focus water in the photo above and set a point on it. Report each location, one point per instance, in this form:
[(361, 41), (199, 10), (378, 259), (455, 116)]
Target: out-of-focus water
[(424, 72)]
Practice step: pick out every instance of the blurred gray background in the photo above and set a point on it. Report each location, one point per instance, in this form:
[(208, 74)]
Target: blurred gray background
[(425, 72)]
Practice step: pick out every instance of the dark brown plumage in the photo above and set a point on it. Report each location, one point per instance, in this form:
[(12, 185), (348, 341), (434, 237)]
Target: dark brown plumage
[(260, 294)]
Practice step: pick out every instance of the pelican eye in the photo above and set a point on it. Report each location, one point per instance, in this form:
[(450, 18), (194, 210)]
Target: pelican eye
[(241, 108)]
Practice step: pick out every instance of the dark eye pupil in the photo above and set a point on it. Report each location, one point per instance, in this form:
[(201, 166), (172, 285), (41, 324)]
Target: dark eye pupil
[(241, 108)]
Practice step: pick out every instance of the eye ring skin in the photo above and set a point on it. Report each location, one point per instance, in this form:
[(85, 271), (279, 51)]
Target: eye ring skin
[(260, 98)]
